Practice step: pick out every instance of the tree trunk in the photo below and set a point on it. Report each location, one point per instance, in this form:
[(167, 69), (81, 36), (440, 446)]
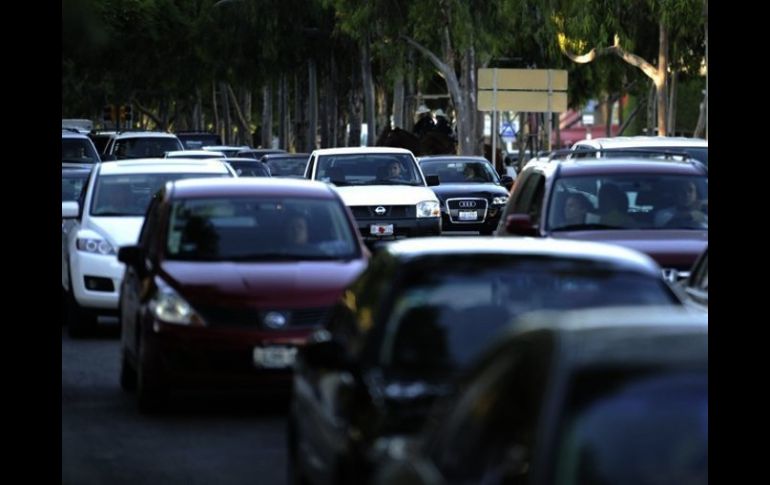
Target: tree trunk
[(323, 110), (398, 101), (244, 131), (660, 82), (608, 116), (651, 104), (355, 107), (300, 133), (217, 124), (225, 113), (368, 89), (312, 106), (333, 105), (198, 111), (672, 105), (283, 113), (266, 138), (410, 101)]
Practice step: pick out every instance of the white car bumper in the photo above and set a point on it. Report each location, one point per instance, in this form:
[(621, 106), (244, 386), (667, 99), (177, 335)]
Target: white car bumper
[(102, 268)]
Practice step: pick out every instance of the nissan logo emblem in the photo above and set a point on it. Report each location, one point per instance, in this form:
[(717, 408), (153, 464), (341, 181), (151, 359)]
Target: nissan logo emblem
[(380, 211), (275, 320), (467, 204)]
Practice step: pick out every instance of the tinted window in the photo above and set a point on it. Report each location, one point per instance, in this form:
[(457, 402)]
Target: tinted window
[(250, 169), (72, 184), (652, 430), (285, 166), (129, 195), (78, 150), (258, 229), (447, 313), (149, 147), (369, 169), (634, 201), (460, 171)]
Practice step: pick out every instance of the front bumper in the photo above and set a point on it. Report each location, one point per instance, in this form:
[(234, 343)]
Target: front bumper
[(489, 222), (402, 228), (97, 267), (204, 357)]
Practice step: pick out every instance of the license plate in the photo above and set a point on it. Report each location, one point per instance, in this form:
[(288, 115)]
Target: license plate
[(468, 215), (381, 229), (274, 357)]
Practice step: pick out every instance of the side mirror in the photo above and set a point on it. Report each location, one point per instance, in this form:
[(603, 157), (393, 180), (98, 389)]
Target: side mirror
[(520, 225), (70, 209), (321, 351), (432, 180), (133, 256), (507, 182)]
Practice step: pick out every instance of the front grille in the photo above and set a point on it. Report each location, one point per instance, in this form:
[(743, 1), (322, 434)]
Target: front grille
[(466, 204), (222, 316), (391, 212)]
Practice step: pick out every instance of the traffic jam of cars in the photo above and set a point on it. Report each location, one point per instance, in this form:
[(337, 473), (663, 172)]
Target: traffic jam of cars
[(427, 320)]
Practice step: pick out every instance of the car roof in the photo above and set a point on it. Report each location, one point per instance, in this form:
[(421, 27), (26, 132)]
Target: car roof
[(163, 165), (618, 165), (452, 157), (251, 186), (643, 142), (558, 248), (144, 134), (66, 133), (285, 155), (619, 336), (76, 167), (360, 150)]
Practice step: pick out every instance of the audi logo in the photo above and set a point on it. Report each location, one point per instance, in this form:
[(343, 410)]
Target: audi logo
[(380, 211), (465, 204)]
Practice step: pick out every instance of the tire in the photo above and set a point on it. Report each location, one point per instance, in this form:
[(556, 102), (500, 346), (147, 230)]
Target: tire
[(151, 391)]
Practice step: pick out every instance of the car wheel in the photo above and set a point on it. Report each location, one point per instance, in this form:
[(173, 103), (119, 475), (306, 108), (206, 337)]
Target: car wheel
[(127, 374), (150, 386), (80, 321)]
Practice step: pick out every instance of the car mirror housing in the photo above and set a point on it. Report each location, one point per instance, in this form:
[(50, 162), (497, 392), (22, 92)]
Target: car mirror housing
[(520, 225)]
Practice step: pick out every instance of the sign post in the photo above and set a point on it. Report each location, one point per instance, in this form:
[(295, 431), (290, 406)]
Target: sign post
[(528, 90)]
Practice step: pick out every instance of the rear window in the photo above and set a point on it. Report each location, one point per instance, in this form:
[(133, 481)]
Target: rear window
[(78, 150)]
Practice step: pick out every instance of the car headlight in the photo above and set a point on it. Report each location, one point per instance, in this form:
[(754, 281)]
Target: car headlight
[(428, 208), (166, 305), (96, 246), (500, 200)]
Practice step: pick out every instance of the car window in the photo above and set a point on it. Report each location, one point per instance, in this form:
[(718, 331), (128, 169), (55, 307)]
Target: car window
[(369, 169), (78, 150), (630, 201), (147, 147), (259, 229)]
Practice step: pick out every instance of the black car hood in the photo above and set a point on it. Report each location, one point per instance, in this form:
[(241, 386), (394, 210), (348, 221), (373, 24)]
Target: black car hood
[(487, 191)]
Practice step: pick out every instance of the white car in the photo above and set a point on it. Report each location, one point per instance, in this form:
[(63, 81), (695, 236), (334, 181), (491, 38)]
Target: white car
[(112, 214), (696, 148), (140, 144), (384, 188)]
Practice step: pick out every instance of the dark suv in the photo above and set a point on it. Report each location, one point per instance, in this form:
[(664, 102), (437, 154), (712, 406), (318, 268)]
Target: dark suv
[(654, 205)]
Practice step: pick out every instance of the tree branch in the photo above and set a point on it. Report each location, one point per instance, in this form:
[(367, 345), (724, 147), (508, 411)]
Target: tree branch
[(442, 67), (633, 59), (147, 112)]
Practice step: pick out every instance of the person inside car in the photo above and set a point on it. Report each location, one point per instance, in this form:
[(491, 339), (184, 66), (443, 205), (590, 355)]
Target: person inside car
[(687, 209), (576, 207), (394, 170), (613, 207), (296, 231)]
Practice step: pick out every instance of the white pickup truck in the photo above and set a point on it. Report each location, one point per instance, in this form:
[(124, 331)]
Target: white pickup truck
[(384, 188)]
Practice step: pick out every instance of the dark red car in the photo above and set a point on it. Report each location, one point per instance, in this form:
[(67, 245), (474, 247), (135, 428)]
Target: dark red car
[(228, 278), (658, 206)]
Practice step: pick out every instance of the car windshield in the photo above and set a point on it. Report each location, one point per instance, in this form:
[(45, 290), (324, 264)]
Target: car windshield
[(369, 169), (651, 430), (259, 229), (287, 166), (78, 150), (250, 169), (450, 310), (147, 147), (629, 201), (194, 141), (129, 195), (460, 171)]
